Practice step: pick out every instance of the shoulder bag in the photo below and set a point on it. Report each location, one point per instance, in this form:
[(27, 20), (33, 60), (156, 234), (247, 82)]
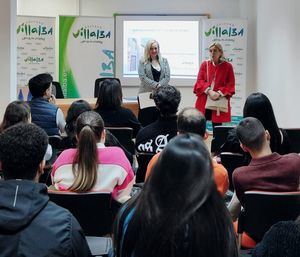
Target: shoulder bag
[(219, 105)]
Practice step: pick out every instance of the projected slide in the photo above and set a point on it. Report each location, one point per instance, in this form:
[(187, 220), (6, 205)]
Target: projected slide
[(179, 43)]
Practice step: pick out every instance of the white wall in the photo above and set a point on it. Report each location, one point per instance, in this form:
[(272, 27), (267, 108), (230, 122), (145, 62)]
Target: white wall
[(8, 55), (104, 8), (278, 55), (49, 8), (248, 11), (216, 8)]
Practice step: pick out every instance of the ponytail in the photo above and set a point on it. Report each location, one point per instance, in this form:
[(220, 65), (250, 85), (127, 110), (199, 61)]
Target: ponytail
[(89, 127)]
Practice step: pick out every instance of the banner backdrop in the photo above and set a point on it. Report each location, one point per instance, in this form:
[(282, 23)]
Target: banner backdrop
[(86, 52), (35, 48), (232, 35)]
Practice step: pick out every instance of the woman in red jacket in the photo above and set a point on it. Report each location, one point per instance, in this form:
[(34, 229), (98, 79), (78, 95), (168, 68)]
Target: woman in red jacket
[(215, 79)]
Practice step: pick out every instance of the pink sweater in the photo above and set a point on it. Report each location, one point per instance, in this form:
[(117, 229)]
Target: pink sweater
[(114, 172)]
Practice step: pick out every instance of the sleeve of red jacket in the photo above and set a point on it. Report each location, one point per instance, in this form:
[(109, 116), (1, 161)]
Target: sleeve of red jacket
[(201, 84), (229, 87)]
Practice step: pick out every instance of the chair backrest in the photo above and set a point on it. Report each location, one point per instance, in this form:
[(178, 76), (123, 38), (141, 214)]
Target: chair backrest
[(98, 83), (294, 138), (220, 134), (231, 161), (264, 209), (56, 90), (56, 143), (142, 159), (124, 136), (94, 211)]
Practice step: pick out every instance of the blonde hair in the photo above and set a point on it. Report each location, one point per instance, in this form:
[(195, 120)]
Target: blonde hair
[(147, 57), (220, 48)]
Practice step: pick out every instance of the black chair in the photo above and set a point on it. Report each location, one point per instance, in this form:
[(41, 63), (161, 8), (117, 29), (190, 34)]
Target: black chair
[(55, 141), (231, 161), (57, 145), (98, 83), (95, 213), (124, 136), (294, 138), (264, 209), (142, 159), (148, 113), (56, 90), (220, 134)]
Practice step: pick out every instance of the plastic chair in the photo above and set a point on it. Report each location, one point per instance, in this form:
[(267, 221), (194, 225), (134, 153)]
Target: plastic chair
[(56, 90), (264, 209), (294, 138), (148, 113), (95, 213), (219, 137), (231, 161), (142, 159), (56, 143), (98, 83), (124, 136)]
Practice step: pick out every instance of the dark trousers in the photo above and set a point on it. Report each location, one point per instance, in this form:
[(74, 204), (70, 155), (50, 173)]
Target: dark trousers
[(208, 115)]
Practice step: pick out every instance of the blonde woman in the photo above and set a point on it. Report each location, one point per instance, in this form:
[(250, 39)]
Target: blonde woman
[(154, 71), (215, 79)]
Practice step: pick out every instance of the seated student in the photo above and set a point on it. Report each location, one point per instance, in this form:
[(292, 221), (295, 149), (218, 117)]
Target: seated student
[(190, 120), (19, 111), (75, 109), (154, 137), (15, 112), (44, 113), (267, 171), (282, 239), (253, 107), (179, 211), (70, 141), (31, 225), (92, 166), (255, 103), (109, 106)]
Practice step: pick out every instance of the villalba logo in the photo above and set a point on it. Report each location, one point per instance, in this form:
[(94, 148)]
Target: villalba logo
[(87, 33), (219, 31), (34, 30)]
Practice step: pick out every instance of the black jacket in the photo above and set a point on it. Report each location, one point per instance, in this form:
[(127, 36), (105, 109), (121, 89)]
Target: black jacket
[(154, 137), (31, 225), (120, 117)]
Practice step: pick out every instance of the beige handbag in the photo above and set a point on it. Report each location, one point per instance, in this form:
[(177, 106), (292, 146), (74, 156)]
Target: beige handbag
[(219, 105)]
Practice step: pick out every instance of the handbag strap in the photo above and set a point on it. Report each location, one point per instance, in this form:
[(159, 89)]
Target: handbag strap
[(214, 77), (207, 71)]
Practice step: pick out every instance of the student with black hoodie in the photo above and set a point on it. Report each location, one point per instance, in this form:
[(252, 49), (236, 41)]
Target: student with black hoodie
[(31, 225)]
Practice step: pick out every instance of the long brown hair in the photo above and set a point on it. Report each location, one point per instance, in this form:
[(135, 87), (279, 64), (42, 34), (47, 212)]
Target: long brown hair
[(89, 127), (16, 111)]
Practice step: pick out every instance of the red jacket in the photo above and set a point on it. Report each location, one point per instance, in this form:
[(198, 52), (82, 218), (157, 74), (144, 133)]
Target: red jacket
[(224, 82)]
